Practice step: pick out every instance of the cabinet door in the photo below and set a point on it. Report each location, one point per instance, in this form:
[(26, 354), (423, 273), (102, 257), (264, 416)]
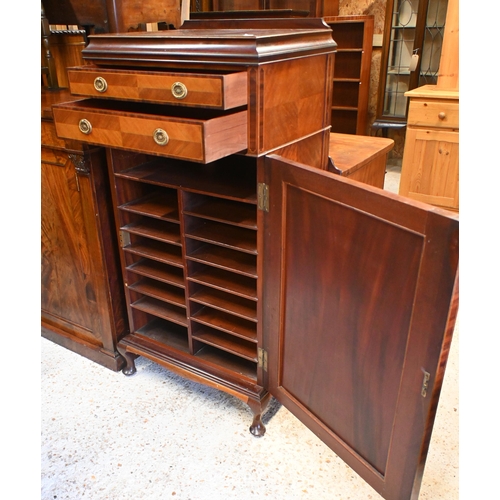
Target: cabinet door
[(430, 167), (359, 307), (76, 296)]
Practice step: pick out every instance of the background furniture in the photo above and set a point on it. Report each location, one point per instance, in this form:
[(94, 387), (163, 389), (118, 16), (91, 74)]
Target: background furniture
[(361, 158), (82, 298), (430, 168), (412, 28), (351, 76)]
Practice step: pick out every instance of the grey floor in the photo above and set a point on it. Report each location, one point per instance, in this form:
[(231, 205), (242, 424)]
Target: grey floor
[(156, 435)]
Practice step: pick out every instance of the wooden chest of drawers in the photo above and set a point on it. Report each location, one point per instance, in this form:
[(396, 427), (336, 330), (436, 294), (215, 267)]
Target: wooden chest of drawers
[(429, 172), (257, 271)]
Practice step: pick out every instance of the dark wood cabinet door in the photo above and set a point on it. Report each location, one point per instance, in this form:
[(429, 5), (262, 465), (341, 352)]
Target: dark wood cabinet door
[(81, 299), (359, 307)]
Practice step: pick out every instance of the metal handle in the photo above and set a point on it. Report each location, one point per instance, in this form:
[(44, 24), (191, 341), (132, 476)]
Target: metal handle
[(85, 126), (100, 84), (160, 137), (442, 115), (179, 90)]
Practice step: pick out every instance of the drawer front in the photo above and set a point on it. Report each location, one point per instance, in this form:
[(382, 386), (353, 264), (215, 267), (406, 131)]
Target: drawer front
[(185, 89), (176, 137), (432, 113)]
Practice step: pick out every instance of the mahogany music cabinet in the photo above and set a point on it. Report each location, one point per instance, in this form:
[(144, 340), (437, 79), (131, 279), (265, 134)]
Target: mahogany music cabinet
[(247, 265)]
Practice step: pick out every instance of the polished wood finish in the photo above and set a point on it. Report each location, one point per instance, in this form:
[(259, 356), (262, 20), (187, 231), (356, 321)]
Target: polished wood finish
[(217, 91), (430, 167), (257, 275), (361, 158), (355, 318), (82, 301), (189, 136), (189, 234), (351, 76)]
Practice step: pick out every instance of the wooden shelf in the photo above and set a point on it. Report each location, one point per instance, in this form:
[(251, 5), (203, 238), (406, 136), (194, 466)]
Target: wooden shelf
[(224, 258), (158, 271), (166, 334), (226, 281), (230, 303), (159, 290), (162, 205), (235, 238), (232, 178), (156, 250), (229, 212), (226, 323), (234, 345), (161, 309), (158, 230)]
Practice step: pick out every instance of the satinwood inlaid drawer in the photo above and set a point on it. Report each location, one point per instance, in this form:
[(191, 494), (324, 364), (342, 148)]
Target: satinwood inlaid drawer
[(217, 91), (189, 134), (433, 113)]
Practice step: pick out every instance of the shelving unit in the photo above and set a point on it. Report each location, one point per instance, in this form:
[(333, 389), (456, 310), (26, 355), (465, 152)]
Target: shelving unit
[(189, 252), (351, 76)]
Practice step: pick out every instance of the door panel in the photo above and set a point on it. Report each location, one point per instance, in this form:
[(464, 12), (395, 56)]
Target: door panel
[(358, 290)]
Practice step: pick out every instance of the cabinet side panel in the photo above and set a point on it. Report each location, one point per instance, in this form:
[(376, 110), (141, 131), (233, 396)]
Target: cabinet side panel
[(295, 96)]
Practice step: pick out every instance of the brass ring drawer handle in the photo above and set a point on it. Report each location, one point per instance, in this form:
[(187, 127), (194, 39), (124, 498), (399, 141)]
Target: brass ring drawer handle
[(85, 126), (160, 137), (179, 90), (442, 115), (100, 84)]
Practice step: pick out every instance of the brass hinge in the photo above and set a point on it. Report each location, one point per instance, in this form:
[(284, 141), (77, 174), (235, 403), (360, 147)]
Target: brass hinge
[(262, 358), (425, 384), (124, 239), (263, 197)]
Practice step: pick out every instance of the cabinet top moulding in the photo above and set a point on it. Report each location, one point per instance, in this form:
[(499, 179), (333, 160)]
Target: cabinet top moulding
[(223, 42)]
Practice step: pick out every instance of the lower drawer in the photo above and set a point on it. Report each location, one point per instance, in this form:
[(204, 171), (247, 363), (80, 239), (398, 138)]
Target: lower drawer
[(195, 135)]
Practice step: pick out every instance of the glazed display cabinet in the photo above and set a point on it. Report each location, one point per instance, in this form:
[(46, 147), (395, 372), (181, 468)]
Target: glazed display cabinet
[(250, 267), (413, 39)]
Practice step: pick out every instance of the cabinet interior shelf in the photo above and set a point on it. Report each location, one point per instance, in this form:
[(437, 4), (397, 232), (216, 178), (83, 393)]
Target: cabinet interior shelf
[(226, 259), (225, 281), (161, 309), (157, 251), (157, 204), (159, 290), (159, 271), (231, 237), (169, 343), (232, 178), (158, 230)]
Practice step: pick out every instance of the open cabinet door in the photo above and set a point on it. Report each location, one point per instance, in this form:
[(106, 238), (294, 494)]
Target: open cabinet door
[(359, 305)]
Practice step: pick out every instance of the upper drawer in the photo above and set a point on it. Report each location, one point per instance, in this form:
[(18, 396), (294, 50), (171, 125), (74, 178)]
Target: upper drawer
[(186, 89), (433, 113), (196, 135)]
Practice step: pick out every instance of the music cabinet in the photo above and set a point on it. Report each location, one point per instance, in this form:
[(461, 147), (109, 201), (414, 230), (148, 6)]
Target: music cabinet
[(247, 265)]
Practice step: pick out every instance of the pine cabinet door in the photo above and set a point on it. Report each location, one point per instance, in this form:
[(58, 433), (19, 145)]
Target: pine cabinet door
[(359, 308)]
